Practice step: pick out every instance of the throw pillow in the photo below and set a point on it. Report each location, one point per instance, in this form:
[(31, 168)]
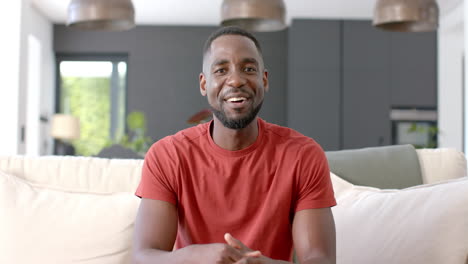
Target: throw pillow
[(40, 225), (441, 164), (375, 166), (423, 224)]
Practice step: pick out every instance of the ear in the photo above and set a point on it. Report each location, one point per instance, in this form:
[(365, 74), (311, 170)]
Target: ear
[(265, 80), (202, 80)]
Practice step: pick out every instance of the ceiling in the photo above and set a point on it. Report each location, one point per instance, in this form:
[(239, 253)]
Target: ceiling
[(207, 12)]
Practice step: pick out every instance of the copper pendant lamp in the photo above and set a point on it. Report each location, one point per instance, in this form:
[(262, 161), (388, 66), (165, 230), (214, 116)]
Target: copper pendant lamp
[(107, 15), (406, 15), (254, 15)]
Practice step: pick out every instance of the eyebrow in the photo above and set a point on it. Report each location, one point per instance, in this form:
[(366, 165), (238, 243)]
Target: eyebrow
[(219, 62), (250, 60), (224, 61)]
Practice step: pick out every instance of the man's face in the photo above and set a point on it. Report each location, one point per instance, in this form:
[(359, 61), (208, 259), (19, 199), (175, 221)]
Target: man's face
[(234, 80)]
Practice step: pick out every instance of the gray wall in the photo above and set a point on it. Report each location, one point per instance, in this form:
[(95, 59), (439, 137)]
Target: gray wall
[(332, 80), (163, 67)]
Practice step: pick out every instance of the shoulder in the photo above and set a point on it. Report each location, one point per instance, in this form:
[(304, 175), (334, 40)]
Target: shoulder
[(182, 139), (290, 138), (192, 133)]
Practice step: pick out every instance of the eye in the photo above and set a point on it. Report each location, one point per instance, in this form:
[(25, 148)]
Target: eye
[(220, 70), (250, 69)]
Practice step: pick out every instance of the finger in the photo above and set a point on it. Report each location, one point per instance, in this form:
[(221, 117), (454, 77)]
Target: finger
[(254, 254), (233, 242), (242, 261), (233, 254)]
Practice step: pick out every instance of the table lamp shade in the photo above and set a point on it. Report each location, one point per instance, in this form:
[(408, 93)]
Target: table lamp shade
[(65, 127)]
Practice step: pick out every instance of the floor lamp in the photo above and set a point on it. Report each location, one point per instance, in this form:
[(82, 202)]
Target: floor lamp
[(65, 128)]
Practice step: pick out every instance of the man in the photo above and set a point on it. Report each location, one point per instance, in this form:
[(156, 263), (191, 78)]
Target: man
[(237, 189)]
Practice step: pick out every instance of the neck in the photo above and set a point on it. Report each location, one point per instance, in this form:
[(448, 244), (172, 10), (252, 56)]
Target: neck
[(234, 139)]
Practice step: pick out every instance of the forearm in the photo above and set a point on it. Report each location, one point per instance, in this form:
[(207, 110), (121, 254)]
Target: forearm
[(151, 256), (309, 261), (282, 262), (318, 260)]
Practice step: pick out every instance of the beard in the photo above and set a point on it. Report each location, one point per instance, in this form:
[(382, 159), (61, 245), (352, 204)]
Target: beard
[(239, 123)]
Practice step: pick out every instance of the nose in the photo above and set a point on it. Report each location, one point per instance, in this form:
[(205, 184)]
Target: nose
[(236, 79)]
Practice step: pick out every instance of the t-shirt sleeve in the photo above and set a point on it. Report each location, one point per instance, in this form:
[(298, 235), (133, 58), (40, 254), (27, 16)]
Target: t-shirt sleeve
[(315, 188), (158, 174)]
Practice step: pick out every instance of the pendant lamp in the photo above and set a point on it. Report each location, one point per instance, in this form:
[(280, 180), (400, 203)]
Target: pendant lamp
[(254, 15), (107, 15), (406, 15)]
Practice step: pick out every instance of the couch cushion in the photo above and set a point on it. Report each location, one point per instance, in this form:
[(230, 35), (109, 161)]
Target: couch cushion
[(39, 225), (441, 164), (78, 174), (339, 185), (381, 167), (423, 224)]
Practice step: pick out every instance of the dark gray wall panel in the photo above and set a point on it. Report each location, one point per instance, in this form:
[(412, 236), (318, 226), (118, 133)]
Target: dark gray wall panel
[(164, 63), (366, 78), (414, 69), (274, 47), (314, 80)]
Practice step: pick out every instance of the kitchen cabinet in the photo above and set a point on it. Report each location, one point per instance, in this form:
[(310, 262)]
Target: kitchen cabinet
[(314, 81), (413, 60), (344, 77), (366, 83)]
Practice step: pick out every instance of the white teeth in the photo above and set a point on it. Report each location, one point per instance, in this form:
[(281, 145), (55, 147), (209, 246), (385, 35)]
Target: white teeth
[(234, 99)]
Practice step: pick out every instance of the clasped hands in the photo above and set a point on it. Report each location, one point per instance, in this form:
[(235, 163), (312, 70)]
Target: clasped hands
[(234, 251)]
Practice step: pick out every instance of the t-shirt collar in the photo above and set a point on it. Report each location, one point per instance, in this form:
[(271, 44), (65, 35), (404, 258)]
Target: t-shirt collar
[(242, 152)]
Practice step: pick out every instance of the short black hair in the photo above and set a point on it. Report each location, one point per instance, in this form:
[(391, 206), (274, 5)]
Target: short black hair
[(231, 30)]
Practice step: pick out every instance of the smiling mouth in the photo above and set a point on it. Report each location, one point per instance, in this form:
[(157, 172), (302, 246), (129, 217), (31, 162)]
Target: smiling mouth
[(236, 100)]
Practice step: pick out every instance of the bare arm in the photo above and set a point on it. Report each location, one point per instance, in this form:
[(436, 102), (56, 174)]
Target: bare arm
[(314, 239), (155, 230), (155, 234), (314, 236)]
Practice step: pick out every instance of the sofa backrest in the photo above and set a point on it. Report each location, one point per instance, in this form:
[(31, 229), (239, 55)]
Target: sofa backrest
[(76, 174), (100, 175)]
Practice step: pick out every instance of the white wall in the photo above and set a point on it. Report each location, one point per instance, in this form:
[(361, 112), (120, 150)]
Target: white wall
[(40, 28), (9, 67), (22, 20), (450, 78)]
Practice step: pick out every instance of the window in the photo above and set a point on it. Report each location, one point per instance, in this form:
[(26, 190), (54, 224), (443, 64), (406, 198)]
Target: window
[(94, 90)]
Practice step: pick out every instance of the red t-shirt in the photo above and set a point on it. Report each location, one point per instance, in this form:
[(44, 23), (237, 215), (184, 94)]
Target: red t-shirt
[(252, 193)]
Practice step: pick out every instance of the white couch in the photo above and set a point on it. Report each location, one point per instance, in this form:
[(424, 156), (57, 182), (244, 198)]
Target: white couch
[(82, 210)]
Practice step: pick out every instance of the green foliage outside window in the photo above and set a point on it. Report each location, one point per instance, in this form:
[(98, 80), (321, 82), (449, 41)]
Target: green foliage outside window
[(431, 131), (136, 138), (88, 99)]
